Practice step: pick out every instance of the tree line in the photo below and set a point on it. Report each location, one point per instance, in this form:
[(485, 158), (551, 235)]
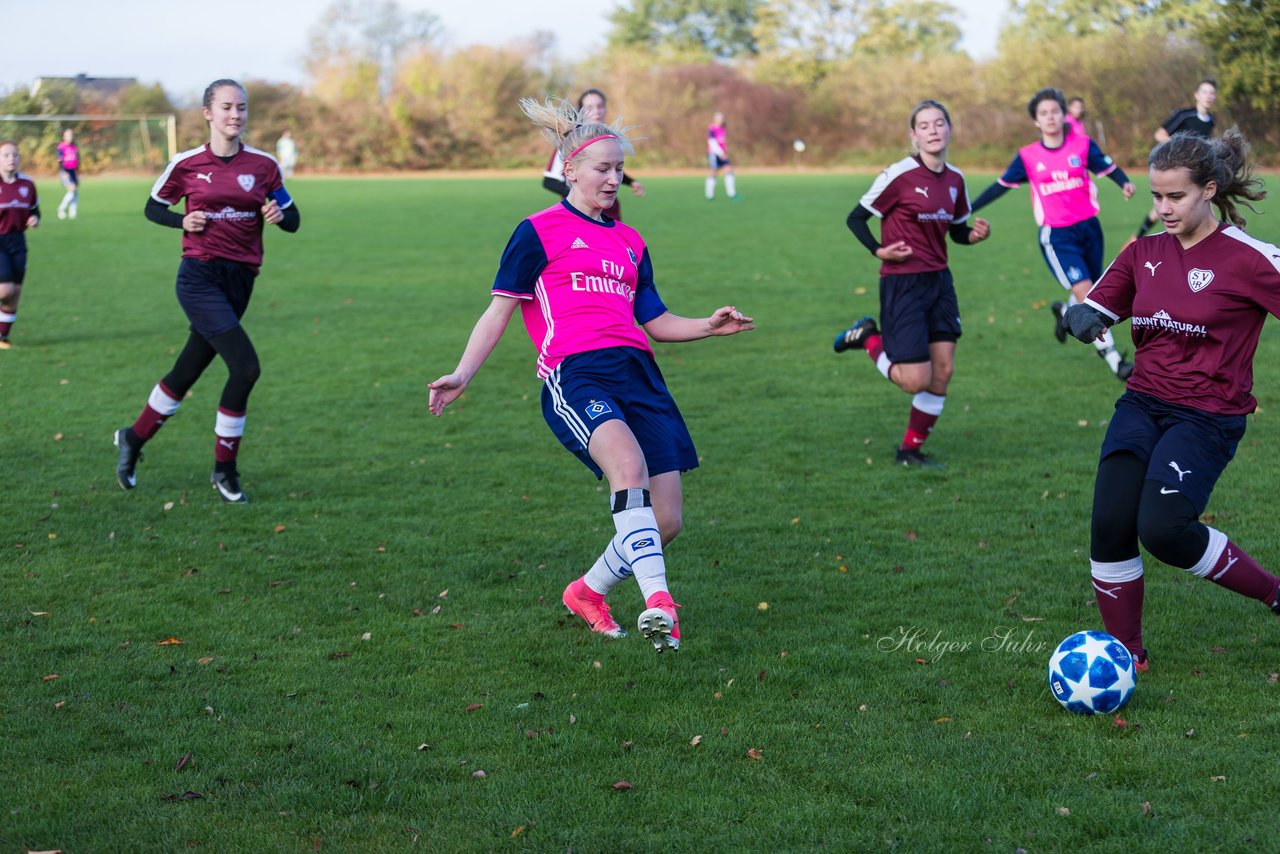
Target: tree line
[(384, 93)]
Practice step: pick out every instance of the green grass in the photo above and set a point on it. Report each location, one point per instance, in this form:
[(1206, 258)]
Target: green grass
[(367, 516)]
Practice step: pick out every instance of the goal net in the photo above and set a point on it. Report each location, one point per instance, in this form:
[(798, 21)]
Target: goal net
[(106, 142)]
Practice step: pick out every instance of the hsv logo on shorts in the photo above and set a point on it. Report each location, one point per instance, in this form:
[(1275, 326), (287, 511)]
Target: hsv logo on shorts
[(1199, 279), (597, 408)]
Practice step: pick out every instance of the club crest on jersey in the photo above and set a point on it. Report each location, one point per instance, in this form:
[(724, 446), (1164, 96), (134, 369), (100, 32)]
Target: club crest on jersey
[(245, 181), (954, 194), (597, 408), (1073, 161), (632, 256), (1199, 279), (23, 191)]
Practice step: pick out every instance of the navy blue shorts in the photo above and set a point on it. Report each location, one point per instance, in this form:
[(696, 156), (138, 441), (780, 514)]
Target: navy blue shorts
[(1073, 253), (1185, 449), (214, 294), (716, 162), (69, 177), (13, 257), (917, 309), (588, 389)]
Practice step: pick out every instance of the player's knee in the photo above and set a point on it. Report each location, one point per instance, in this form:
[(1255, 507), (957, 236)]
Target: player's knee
[(1169, 529), (7, 290), (669, 525)]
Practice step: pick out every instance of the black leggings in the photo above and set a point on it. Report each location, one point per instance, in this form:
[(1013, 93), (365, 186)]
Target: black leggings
[(236, 350), (1128, 508)]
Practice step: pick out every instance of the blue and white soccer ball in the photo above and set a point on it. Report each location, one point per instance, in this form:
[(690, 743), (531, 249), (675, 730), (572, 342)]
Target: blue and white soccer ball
[(1091, 673)]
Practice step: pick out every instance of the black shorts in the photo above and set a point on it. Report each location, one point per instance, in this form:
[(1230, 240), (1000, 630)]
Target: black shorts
[(13, 257), (214, 294), (916, 310), (1185, 449)]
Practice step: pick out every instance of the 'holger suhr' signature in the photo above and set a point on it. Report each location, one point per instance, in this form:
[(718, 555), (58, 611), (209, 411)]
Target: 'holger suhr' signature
[(918, 641)]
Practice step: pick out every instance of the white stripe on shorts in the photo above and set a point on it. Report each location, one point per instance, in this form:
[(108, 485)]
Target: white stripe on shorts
[(566, 412), (1046, 233)]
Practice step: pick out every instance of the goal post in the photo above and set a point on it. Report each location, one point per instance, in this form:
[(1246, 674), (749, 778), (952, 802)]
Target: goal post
[(106, 141)]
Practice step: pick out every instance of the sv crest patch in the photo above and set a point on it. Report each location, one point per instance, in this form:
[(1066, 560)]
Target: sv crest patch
[(597, 408), (1198, 279), (245, 181)]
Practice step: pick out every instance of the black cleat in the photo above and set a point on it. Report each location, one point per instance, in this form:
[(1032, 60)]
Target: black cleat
[(126, 466), (227, 485), (1275, 606), (855, 337), (1124, 370), (914, 457), (1059, 309)]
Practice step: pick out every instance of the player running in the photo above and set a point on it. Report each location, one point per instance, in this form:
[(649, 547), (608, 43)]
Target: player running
[(68, 173), (593, 105), (1197, 296), (231, 191), (718, 158), (19, 211), (921, 199), (1064, 201), (584, 285), (1196, 120)]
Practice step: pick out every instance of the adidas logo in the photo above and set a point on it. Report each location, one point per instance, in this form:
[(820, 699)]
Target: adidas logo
[(579, 243), (1162, 315)]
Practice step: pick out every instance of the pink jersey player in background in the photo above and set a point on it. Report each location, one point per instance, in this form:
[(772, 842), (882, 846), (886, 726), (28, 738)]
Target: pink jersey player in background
[(584, 285), (1196, 297), (1075, 115), (1064, 201), (19, 211), (718, 158), (231, 191), (69, 174)]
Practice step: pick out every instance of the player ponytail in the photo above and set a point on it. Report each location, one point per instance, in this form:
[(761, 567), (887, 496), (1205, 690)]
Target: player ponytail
[(1225, 161), (566, 127)]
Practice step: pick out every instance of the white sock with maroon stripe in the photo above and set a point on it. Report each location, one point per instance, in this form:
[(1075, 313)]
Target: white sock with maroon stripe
[(228, 428)]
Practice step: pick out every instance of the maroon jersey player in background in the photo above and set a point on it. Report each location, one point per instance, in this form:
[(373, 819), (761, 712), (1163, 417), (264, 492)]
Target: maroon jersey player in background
[(231, 191), (1197, 296), (921, 199), (19, 210)]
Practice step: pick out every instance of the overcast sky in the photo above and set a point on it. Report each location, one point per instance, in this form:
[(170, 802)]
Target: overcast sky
[(185, 47)]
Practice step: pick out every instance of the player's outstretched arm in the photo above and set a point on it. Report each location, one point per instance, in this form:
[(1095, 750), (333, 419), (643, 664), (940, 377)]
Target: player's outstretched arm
[(484, 337), (726, 320)]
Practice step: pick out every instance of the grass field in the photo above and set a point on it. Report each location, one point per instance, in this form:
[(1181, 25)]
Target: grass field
[(382, 622)]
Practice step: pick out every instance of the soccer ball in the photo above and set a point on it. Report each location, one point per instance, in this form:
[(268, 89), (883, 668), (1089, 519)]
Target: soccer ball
[(798, 145), (1091, 673)]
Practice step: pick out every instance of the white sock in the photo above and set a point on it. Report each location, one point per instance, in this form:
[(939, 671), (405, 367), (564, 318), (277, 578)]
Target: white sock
[(640, 540), (883, 365), (730, 185), (1071, 299), (609, 570), (1107, 347), (711, 187)]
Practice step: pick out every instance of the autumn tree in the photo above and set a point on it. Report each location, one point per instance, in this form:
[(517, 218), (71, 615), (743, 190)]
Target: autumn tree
[(718, 29)]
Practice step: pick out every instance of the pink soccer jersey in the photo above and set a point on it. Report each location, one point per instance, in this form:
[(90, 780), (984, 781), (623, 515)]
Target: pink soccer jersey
[(1062, 192), (1196, 315), (16, 203), (917, 205), (584, 284), (717, 141), (231, 194), (68, 155)]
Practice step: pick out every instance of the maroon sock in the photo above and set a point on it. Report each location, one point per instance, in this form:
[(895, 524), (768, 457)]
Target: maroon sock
[(228, 430), (5, 326), (875, 346), (1121, 605), (919, 426), (1240, 573), (151, 419)]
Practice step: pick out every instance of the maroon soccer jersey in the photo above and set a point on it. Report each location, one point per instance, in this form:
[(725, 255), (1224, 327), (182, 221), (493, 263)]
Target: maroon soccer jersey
[(231, 195), (16, 201), (917, 205), (1196, 315)]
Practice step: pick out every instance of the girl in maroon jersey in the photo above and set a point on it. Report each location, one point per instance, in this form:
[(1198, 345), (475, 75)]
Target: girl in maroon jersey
[(19, 211), (231, 190), (1197, 296), (593, 104), (918, 307)]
